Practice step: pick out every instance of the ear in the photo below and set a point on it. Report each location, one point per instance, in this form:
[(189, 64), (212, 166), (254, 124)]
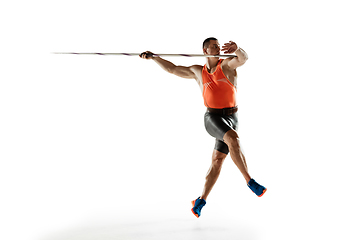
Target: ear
[(204, 51)]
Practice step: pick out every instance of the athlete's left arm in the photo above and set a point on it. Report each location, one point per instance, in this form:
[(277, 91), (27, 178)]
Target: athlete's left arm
[(241, 58)]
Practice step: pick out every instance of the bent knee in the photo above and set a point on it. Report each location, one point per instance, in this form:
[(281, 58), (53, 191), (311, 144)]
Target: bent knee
[(218, 158), (231, 138), (217, 163)]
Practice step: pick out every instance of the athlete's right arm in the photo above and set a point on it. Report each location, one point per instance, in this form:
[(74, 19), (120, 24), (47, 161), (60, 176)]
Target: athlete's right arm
[(180, 71)]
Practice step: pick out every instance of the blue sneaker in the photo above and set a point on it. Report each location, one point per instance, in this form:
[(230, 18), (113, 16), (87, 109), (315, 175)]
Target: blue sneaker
[(197, 206), (256, 188)]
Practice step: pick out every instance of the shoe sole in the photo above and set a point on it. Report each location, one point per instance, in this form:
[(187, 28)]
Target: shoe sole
[(263, 192), (193, 204)]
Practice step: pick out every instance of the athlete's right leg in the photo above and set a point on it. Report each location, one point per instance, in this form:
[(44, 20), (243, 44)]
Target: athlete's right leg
[(211, 177), (213, 173)]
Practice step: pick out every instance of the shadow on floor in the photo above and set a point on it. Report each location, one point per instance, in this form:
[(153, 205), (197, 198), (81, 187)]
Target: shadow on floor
[(158, 229)]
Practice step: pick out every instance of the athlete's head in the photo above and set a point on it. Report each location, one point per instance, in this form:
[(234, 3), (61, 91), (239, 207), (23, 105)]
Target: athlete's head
[(211, 46)]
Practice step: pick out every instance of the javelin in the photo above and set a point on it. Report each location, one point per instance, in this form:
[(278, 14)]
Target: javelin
[(156, 55)]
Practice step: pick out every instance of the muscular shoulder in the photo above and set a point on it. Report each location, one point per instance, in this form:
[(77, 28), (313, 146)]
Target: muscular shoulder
[(229, 72), (226, 61), (225, 64), (196, 68)]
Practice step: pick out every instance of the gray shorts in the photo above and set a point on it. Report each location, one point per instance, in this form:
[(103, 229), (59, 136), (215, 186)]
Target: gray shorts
[(217, 125)]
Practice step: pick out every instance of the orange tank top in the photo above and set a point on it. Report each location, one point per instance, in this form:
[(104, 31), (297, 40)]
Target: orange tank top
[(218, 91)]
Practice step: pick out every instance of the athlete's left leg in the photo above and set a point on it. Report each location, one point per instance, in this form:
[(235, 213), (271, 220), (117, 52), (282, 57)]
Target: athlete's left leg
[(232, 140)]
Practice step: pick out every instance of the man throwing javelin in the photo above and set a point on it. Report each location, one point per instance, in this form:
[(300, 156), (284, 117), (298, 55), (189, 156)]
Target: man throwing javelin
[(217, 80)]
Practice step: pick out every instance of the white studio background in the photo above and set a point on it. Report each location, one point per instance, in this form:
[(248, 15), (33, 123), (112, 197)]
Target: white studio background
[(96, 140)]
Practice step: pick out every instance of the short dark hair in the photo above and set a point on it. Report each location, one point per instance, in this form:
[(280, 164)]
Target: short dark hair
[(207, 41)]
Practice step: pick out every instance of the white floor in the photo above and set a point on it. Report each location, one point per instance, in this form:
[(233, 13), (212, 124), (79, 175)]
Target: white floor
[(167, 228), (242, 217)]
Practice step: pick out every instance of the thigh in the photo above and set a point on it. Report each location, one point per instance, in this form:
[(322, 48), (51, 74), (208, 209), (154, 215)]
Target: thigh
[(233, 121), (217, 155), (221, 146), (216, 125)]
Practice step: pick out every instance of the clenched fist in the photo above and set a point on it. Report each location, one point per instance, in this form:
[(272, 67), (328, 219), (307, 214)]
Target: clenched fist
[(147, 55)]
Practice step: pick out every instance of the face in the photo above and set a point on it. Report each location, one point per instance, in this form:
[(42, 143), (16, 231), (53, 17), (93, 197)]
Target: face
[(213, 48)]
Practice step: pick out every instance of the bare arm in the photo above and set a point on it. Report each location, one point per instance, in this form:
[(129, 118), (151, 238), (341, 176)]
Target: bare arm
[(241, 58), (180, 71)]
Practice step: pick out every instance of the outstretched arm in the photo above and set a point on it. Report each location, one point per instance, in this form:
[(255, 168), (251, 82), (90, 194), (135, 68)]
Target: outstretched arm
[(180, 71)]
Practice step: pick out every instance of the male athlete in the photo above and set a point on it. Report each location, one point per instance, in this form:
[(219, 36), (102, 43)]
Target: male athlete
[(217, 80)]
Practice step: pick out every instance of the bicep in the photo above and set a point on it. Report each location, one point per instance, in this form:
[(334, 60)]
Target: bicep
[(184, 72)]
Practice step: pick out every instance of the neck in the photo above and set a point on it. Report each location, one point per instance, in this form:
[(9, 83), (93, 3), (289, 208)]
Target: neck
[(211, 62)]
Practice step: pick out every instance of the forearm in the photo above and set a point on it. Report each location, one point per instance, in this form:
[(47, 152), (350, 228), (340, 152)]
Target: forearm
[(164, 64), (180, 71), (241, 54)]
